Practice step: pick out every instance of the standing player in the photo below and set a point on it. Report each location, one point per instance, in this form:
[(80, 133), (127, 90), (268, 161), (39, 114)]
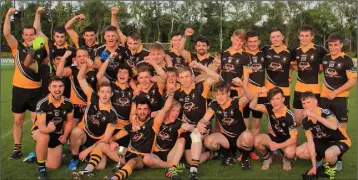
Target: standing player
[(233, 61), (277, 62), (340, 75), (282, 129), (201, 46), (233, 131), (177, 59), (325, 137), (308, 61), (99, 119), (26, 82), (88, 39), (52, 127)]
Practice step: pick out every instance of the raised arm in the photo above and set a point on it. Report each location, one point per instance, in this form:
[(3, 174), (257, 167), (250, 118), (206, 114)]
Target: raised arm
[(70, 28), (102, 70), (37, 21), (10, 39), (61, 70), (161, 114), (330, 122), (114, 22), (186, 54), (258, 107), (81, 77), (213, 76)]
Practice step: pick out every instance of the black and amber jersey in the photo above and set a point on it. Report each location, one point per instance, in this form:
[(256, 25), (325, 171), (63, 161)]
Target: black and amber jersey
[(193, 101), (24, 77), (97, 118), (206, 61), (103, 53), (229, 116), (54, 49), (232, 64), (154, 95), (80, 42), (132, 60), (278, 61), (336, 73), (47, 71), (168, 135), (77, 94), (308, 61), (177, 59), (57, 115), (282, 125), (319, 131), (143, 140), (122, 100), (257, 68)]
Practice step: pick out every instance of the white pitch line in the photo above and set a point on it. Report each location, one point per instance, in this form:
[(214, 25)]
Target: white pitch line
[(8, 133)]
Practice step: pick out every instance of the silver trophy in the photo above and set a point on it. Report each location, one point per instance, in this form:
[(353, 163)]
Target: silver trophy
[(121, 152)]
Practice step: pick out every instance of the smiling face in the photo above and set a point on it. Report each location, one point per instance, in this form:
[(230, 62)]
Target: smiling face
[(276, 38), (28, 35), (335, 47), (277, 101), (56, 89), (133, 45), (123, 76), (105, 94), (81, 57), (186, 79), (143, 112), (175, 41), (59, 38), (253, 43), (111, 38), (237, 42), (90, 37), (305, 37), (201, 47)]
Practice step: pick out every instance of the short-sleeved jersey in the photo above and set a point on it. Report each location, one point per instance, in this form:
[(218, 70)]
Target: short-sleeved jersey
[(232, 64), (308, 65), (257, 68), (193, 102), (319, 131), (24, 77), (122, 100), (77, 94), (281, 125), (96, 119), (177, 59), (336, 73), (143, 140), (132, 60), (206, 61), (154, 95), (278, 61), (103, 53), (57, 115), (80, 42), (229, 116), (168, 135)]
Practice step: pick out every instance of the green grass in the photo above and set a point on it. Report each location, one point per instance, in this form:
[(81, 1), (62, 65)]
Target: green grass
[(15, 169)]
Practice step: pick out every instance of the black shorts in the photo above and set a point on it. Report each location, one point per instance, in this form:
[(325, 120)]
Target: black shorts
[(124, 141), (130, 155), (338, 106), (232, 140), (276, 139), (24, 99), (255, 114), (89, 141), (53, 142), (297, 104), (163, 155), (78, 111), (322, 145)]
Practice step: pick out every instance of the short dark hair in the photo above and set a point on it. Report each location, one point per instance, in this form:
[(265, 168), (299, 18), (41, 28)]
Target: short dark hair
[(135, 35), (185, 69), (59, 52), (335, 37), (305, 28), (175, 34), (55, 78), (144, 68), (273, 92), (29, 27), (142, 100), (171, 69), (202, 39), (222, 86), (306, 95), (252, 34), (89, 29), (275, 29), (125, 67), (110, 28), (82, 49), (105, 84), (60, 30), (156, 46)]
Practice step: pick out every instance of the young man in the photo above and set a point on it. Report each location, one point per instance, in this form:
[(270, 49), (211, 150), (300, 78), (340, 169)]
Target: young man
[(88, 39), (99, 119), (193, 98), (307, 60), (157, 55), (233, 131), (278, 61), (52, 127), (26, 83), (202, 46), (177, 59), (325, 137), (282, 129), (78, 96), (233, 61)]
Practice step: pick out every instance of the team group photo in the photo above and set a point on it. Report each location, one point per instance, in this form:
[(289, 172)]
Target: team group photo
[(178, 90)]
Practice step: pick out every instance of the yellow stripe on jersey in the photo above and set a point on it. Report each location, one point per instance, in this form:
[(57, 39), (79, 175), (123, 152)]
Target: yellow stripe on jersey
[(303, 87)]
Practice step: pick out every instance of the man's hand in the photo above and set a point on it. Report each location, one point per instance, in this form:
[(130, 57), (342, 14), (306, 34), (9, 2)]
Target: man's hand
[(83, 154), (237, 82), (67, 53), (115, 10), (40, 10), (113, 146), (113, 55), (313, 171), (202, 127), (189, 31), (11, 11), (332, 95), (195, 65), (51, 127), (309, 113), (81, 17), (274, 146), (187, 127), (62, 139)]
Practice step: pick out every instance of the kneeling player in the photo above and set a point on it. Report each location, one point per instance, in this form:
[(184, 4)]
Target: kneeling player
[(234, 134), (325, 137), (282, 129), (52, 127)]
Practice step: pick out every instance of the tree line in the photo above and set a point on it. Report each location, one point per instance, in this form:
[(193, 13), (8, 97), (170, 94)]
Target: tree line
[(158, 20)]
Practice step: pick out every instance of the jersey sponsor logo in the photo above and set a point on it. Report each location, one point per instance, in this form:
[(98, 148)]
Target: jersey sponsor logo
[(275, 66), (229, 67), (331, 72), (302, 66), (178, 66), (256, 67), (95, 119), (138, 136), (189, 106), (228, 121)]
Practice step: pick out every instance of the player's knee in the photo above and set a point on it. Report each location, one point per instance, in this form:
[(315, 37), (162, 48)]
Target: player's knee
[(147, 160), (257, 141), (100, 145), (19, 122), (196, 137), (247, 139), (101, 166), (44, 138), (76, 133), (329, 155), (299, 152), (290, 153), (208, 141)]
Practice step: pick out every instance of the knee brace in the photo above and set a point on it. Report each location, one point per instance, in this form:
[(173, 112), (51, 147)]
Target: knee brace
[(196, 136)]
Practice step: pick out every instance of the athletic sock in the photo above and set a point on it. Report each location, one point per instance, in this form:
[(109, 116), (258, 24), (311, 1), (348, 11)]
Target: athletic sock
[(75, 157), (194, 165), (267, 155), (41, 165), (225, 152), (17, 147), (123, 173), (245, 152), (95, 158)]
